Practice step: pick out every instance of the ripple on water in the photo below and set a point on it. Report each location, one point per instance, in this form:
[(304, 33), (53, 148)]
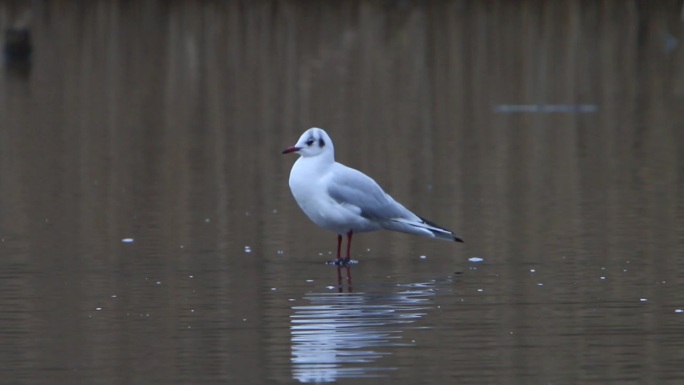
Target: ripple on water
[(343, 335)]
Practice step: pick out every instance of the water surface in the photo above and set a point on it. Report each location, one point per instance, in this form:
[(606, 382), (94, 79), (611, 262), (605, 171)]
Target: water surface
[(148, 235)]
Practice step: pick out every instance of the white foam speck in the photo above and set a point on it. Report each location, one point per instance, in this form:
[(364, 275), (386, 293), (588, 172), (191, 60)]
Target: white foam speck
[(127, 240), (532, 270), (248, 249), (679, 310), (330, 287), (98, 308), (475, 259), (423, 257), (643, 299)]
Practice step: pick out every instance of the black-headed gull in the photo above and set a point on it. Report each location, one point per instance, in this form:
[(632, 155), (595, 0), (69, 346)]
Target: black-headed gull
[(345, 200)]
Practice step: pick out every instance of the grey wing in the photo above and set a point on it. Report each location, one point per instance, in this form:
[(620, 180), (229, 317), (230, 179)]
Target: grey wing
[(353, 188)]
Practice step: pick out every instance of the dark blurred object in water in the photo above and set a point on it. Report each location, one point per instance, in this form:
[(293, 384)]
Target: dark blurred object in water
[(17, 51)]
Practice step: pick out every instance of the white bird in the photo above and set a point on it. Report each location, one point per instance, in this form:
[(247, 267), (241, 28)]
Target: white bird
[(346, 201)]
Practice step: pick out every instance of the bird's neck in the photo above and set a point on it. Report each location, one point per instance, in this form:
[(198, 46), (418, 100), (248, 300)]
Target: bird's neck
[(315, 164)]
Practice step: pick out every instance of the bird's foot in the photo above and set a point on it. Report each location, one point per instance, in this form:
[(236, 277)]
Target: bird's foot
[(343, 262)]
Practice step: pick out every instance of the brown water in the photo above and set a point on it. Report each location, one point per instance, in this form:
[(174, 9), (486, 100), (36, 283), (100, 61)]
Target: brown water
[(148, 235)]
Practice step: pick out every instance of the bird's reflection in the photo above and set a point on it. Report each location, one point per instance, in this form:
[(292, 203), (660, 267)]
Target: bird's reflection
[(340, 285), (341, 335)]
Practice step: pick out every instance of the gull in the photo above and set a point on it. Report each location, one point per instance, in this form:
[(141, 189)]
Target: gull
[(346, 201)]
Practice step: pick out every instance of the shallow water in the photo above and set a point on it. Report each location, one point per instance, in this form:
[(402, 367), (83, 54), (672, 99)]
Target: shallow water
[(148, 235)]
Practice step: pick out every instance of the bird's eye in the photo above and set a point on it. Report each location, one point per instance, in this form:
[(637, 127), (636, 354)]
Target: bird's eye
[(309, 142)]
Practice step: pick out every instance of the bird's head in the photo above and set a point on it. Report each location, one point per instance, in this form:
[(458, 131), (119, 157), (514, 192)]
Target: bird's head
[(313, 142)]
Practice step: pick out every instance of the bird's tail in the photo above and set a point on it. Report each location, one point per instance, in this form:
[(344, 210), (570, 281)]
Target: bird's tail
[(426, 228)]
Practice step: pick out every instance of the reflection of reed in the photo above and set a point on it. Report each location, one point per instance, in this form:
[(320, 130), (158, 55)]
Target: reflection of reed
[(342, 335)]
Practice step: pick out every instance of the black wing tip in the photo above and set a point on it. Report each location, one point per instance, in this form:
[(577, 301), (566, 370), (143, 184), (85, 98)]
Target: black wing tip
[(430, 223), (433, 224)]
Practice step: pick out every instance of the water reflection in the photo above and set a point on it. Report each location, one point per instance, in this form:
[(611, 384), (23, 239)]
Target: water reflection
[(347, 279), (340, 335)]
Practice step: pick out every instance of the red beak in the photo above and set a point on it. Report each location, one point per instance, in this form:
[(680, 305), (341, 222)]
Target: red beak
[(291, 149)]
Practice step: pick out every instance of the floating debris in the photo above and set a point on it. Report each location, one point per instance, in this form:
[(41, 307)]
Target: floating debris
[(643, 299), (475, 259), (127, 240), (546, 108), (342, 264), (679, 310), (423, 257), (248, 249)]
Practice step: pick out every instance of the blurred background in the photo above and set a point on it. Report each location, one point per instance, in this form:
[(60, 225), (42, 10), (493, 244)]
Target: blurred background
[(148, 234)]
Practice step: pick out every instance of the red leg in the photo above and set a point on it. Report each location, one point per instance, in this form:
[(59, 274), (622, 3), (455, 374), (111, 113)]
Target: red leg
[(339, 245), (349, 238)]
